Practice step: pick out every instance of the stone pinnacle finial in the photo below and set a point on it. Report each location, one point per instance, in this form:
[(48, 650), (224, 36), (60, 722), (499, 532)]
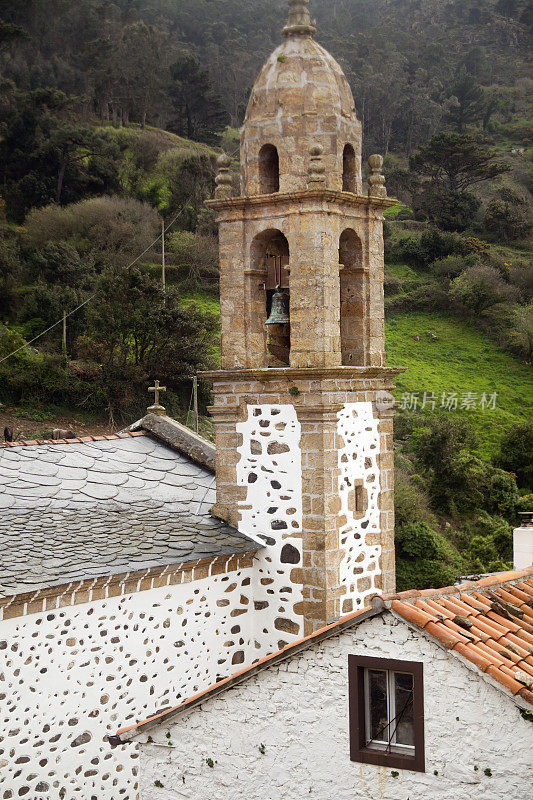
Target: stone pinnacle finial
[(223, 179), (299, 22), (317, 170), (376, 179)]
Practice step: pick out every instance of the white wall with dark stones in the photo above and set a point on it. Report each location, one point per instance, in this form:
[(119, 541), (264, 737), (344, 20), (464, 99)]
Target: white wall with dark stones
[(271, 470), (71, 676), (284, 733)]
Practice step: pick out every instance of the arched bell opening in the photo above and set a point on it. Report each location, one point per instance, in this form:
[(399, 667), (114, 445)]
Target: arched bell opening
[(352, 300), (270, 258), (269, 169), (349, 170)]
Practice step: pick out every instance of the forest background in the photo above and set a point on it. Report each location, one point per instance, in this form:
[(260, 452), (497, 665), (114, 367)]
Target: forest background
[(112, 115)]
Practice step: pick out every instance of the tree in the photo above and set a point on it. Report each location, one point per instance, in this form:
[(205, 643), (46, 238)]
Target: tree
[(136, 331), (468, 104), (11, 33), (451, 211), (515, 454), (46, 152), (423, 558), (457, 161), (505, 221), (199, 109)]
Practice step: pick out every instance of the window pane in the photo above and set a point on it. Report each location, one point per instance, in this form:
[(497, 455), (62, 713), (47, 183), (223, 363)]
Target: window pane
[(403, 696), (377, 686)]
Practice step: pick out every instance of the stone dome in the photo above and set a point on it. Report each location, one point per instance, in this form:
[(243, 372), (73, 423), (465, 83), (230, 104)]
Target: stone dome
[(301, 98)]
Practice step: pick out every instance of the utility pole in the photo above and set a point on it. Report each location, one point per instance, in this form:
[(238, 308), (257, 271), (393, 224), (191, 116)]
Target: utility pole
[(195, 394), (163, 265), (64, 340)]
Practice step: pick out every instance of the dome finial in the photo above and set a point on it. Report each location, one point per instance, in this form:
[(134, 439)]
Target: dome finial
[(299, 22)]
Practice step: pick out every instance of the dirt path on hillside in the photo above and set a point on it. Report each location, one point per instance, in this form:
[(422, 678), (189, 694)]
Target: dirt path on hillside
[(29, 429)]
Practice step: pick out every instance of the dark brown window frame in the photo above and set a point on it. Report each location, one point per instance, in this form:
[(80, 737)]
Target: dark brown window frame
[(358, 750)]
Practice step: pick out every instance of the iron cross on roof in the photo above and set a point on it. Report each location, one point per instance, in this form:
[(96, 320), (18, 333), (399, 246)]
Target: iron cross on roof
[(156, 390)]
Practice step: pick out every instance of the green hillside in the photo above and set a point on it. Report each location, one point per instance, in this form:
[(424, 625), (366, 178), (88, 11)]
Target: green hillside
[(460, 362)]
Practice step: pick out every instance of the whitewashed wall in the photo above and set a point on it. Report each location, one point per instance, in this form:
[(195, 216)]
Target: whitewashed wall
[(358, 464), (71, 676), (297, 712), (271, 470)]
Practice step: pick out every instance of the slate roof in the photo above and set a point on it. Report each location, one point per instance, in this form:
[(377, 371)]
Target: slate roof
[(101, 506), (488, 622)]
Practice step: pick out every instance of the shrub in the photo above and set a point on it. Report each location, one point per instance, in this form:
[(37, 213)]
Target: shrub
[(520, 274), (410, 501), (427, 297), (520, 337), (452, 266), (392, 285), (421, 250), (488, 540), (505, 222), (480, 287), (120, 227), (424, 558), (451, 211), (515, 454)]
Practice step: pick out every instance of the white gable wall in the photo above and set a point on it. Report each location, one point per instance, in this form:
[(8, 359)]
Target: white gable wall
[(73, 675), (299, 711)]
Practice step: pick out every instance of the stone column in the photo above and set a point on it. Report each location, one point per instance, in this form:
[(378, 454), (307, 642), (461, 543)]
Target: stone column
[(232, 296), (315, 292)]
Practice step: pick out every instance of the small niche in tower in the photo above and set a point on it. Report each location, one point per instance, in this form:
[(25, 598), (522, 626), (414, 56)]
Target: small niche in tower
[(348, 169), (269, 169)]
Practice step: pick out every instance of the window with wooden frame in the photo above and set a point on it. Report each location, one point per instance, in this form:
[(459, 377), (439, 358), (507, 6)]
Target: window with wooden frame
[(387, 712)]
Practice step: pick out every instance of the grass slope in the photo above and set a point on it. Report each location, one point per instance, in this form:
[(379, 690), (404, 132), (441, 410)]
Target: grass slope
[(459, 360)]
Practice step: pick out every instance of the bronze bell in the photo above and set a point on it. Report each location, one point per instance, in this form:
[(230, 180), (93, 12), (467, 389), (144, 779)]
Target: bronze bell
[(279, 313)]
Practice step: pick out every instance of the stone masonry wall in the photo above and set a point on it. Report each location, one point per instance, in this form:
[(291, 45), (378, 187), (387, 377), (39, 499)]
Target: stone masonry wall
[(314, 224), (73, 674), (284, 733), (346, 552)]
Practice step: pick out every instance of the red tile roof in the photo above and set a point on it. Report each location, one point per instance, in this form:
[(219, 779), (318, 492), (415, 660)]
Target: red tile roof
[(489, 622), (500, 646), (77, 440)]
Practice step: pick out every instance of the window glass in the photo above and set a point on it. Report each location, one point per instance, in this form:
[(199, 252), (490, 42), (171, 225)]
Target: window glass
[(377, 686), (403, 700)]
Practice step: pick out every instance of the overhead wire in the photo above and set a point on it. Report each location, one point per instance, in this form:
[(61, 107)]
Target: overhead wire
[(85, 302)]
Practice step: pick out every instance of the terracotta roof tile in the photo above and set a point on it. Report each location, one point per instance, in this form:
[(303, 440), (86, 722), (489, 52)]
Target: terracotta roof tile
[(497, 635), (77, 440)]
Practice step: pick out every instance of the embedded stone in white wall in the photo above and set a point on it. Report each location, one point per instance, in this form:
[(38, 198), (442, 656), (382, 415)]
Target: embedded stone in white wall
[(71, 676), (271, 470), (359, 487)]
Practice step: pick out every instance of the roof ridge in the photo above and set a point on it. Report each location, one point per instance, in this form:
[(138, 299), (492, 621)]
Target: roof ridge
[(76, 440), (499, 579)]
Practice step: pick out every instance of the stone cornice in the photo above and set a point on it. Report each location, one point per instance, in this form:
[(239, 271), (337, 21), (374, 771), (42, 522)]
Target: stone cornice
[(308, 373), (321, 195)]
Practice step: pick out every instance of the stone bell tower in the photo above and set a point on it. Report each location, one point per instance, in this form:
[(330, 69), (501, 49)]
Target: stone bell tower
[(302, 409)]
